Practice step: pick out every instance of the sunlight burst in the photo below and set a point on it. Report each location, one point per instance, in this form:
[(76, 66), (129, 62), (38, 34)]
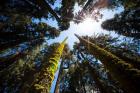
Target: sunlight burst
[(87, 25)]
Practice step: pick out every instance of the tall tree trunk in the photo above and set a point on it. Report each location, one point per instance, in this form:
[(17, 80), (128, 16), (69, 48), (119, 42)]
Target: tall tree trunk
[(128, 77), (43, 80)]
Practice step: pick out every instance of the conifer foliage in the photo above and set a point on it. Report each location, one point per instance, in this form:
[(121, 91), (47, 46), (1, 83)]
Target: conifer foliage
[(126, 23)]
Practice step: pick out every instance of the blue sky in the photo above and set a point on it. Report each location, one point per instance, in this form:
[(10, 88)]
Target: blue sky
[(83, 28)]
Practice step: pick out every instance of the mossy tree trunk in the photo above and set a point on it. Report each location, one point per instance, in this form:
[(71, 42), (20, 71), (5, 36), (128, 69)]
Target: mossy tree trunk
[(128, 77), (44, 78)]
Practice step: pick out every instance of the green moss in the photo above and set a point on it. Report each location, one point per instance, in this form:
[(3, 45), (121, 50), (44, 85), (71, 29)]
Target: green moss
[(46, 75), (38, 87)]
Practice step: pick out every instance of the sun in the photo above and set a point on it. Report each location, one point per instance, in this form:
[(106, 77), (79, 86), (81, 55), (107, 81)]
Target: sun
[(87, 25), (88, 22)]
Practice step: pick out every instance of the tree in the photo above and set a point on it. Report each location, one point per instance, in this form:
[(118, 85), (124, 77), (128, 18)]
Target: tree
[(92, 10), (77, 80), (29, 33), (17, 53), (116, 66), (22, 30), (73, 79), (127, 4), (126, 49), (42, 9), (104, 81), (126, 23), (66, 59), (44, 78), (13, 76)]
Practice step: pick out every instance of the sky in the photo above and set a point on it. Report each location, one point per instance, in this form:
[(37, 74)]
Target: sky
[(87, 27)]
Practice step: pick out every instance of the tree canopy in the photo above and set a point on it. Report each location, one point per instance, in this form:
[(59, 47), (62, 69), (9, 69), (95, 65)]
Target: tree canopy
[(30, 62)]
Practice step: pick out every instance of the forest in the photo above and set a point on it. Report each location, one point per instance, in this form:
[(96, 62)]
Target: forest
[(41, 51)]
